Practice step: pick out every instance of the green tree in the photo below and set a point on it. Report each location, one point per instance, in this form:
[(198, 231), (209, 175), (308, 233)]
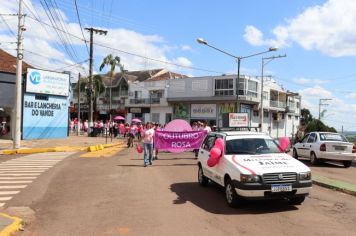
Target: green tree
[(306, 116), (112, 62), (98, 88), (317, 125)]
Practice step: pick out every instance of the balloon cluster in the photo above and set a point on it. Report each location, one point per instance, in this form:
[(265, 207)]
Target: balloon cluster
[(216, 152)]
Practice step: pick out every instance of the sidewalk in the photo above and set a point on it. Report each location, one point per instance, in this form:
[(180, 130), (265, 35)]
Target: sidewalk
[(71, 141)]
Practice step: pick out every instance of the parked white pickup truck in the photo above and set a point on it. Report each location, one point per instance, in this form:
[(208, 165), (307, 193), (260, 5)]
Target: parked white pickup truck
[(319, 146), (252, 166)]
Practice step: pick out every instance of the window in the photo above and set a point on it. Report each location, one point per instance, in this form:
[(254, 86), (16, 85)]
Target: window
[(155, 117), (252, 89), (332, 137), (289, 117), (138, 94), (265, 95), (296, 117), (209, 142), (311, 138), (265, 114), (256, 113), (224, 87), (251, 146), (305, 139)]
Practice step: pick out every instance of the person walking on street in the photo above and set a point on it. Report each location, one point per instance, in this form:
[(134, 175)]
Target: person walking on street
[(148, 144)]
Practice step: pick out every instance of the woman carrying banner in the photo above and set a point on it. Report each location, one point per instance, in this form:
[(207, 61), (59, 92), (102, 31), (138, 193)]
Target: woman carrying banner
[(148, 144)]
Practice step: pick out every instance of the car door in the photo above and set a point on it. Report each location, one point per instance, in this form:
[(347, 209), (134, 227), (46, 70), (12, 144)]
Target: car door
[(309, 144), (301, 146), (204, 154)]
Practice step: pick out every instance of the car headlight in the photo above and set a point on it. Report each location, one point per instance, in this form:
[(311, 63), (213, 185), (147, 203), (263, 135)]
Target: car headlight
[(250, 178), (305, 175)]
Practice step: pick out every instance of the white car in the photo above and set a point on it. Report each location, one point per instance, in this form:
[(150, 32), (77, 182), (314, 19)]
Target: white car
[(252, 166), (318, 146)]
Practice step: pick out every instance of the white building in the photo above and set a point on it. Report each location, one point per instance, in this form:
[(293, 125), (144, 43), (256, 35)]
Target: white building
[(211, 98)]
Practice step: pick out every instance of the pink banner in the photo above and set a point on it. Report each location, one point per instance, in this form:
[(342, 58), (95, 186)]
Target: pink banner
[(182, 141)]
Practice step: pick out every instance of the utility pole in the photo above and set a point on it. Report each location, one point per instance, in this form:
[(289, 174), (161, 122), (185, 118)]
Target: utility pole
[(91, 89), (269, 59), (18, 90), (323, 104), (78, 84)]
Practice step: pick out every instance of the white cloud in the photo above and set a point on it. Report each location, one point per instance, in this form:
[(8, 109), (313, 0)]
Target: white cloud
[(186, 48), (304, 81), (44, 41), (316, 92), (183, 61), (351, 95), (328, 28)]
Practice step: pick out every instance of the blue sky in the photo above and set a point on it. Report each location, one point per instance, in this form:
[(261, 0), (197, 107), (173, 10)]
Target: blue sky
[(318, 37)]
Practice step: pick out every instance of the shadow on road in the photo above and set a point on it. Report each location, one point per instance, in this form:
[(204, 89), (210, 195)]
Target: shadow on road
[(211, 199)]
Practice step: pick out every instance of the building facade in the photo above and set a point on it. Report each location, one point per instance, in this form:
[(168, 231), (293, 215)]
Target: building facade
[(212, 98)]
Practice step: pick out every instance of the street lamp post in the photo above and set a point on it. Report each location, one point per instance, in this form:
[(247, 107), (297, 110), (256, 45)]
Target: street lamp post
[(238, 60), (323, 104), (269, 59)]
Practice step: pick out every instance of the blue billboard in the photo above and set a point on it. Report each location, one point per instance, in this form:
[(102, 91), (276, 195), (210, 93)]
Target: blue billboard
[(45, 116)]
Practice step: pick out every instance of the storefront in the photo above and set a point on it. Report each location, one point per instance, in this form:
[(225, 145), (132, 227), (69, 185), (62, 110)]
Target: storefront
[(7, 103)]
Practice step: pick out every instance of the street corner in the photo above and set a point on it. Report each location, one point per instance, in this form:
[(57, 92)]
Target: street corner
[(10, 224)]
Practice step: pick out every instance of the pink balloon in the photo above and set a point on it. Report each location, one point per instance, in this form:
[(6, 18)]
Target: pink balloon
[(284, 143), (139, 148), (219, 143), (215, 154)]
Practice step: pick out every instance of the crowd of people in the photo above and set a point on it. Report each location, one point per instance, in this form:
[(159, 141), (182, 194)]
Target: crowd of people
[(142, 132)]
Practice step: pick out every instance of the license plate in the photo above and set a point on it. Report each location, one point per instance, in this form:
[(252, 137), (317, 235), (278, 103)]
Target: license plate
[(275, 188), (339, 148)]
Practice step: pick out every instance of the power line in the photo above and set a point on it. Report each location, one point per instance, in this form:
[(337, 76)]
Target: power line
[(8, 26), (133, 54), (80, 24)]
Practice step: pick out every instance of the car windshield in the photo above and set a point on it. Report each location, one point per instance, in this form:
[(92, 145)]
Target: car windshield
[(252, 146), (332, 137)]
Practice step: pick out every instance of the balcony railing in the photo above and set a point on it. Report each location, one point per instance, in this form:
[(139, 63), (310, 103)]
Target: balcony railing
[(145, 101), (278, 104)]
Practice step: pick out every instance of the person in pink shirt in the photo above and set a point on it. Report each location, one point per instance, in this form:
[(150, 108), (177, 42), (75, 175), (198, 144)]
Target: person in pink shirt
[(148, 144)]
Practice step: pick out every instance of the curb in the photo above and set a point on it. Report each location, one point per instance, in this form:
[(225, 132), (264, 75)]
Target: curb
[(334, 184), (92, 148), (13, 227)]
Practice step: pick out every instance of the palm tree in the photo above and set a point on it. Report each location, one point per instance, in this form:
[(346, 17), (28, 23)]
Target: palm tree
[(98, 88), (111, 61)]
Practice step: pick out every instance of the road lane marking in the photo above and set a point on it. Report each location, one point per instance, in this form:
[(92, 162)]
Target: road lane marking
[(11, 174), (16, 182), (8, 192), (16, 174), (12, 186), (5, 198), (1, 178)]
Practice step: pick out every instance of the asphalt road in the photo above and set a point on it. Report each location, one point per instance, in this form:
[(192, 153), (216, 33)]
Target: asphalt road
[(118, 196)]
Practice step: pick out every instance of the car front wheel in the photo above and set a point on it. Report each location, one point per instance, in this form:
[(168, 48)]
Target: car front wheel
[(313, 159), (297, 200), (295, 154), (202, 179), (231, 196)]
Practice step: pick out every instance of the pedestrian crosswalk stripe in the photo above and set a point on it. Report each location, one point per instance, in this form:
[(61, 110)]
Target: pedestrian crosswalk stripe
[(12, 174), (16, 174), (16, 182), (16, 177), (5, 198), (12, 186), (21, 171), (8, 192)]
